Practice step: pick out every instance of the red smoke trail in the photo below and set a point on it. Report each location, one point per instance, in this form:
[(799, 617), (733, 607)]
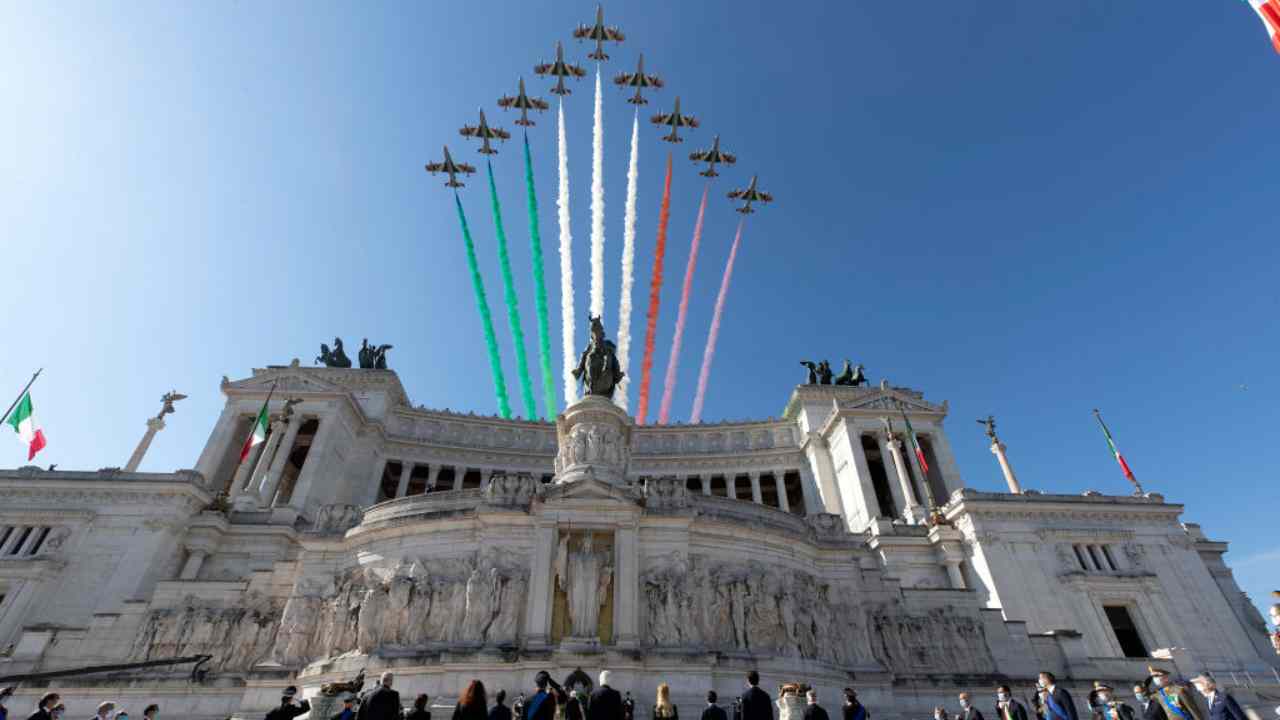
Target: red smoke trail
[(655, 293), (696, 415), (669, 385)]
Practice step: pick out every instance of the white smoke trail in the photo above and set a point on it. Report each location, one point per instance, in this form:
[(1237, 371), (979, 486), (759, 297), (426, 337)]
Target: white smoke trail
[(567, 314), (597, 205), (628, 265)]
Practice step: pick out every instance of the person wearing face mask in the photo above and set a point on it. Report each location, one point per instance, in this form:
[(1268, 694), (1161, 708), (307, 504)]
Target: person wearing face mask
[(1006, 707), (1108, 707), (1221, 705), (940, 713), (967, 710), (122, 715), (58, 711), (1148, 708), (1054, 703), (1176, 699), (151, 712)]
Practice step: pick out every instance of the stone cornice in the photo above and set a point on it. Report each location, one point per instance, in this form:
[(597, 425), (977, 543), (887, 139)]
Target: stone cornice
[(1109, 508), (317, 384), (72, 490), (864, 401), (784, 459)]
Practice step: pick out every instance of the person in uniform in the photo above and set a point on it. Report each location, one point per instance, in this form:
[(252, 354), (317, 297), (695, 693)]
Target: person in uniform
[(1148, 707), (854, 710), (1109, 708), (289, 707), (1221, 705), (549, 694), (1006, 707), (1176, 699)]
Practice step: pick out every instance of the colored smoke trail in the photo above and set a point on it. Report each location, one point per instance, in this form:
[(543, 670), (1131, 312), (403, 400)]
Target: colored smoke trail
[(486, 320), (539, 288), (655, 293), (705, 372), (597, 205), (628, 266), (513, 304), (567, 316), (669, 385)]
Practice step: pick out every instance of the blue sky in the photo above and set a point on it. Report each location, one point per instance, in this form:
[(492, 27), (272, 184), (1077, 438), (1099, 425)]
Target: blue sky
[(1027, 209)]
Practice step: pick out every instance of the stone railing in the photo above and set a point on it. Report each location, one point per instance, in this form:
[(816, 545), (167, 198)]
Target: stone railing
[(432, 503)]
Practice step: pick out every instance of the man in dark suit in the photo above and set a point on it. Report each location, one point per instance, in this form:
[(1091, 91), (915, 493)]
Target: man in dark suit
[(542, 706), (967, 710), (713, 711), (605, 702), (756, 703), (289, 708), (812, 710), (1221, 705), (1149, 708), (1056, 701), (382, 703), (1006, 707)]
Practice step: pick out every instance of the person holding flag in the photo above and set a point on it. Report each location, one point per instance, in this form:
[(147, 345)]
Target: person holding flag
[(21, 417)]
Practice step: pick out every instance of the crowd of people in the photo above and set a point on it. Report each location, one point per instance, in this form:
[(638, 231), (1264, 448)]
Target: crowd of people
[(1158, 697)]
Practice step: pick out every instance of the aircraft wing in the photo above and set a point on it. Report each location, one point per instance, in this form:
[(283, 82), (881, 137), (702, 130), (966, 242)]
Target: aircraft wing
[(468, 130), (763, 196), (435, 167), (736, 194), (464, 168), (506, 101), (500, 133), (543, 68), (654, 81), (624, 78), (583, 32), (538, 104), (614, 34), (728, 158), (661, 119), (689, 121), (576, 71)]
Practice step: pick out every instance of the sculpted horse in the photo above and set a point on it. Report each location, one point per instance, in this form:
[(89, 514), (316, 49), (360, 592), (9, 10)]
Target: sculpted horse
[(598, 369)]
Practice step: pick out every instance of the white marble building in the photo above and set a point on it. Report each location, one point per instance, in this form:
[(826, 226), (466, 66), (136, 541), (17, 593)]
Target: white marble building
[(369, 533)]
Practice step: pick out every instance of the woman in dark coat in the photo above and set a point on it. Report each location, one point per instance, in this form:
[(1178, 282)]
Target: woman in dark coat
[(420, 711), (472, 705)]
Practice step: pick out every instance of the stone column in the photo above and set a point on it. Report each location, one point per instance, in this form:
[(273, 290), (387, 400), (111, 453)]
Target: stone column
[(537, 621), (432, 475), (459, 476), (314, 463), (485, 475), (912, 510), (949, 544), (195, 560), (264, 460), (865, 488), (756, 496), (901, 495), (780, 479), (154, 425), (813, 503), (379, 467), (626, 592), (247, 498), (948, 470), (240, 481), (997, 449), (272, 481), (406, 469), (705, 481), (731, 486), (821, 476), (215, 451)]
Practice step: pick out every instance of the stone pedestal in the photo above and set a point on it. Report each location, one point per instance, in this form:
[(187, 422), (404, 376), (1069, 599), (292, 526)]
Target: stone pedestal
[(595, 442)]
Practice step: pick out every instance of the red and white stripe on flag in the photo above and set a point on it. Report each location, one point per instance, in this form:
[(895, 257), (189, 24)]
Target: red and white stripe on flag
[(1269, 11)]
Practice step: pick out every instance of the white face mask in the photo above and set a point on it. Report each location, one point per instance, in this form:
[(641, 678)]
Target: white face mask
[(1142, 697), (964, 704), (1002, 697), (1161, 681), (1104, 697)]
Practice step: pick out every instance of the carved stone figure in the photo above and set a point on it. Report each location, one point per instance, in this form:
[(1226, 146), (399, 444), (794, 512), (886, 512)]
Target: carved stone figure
[(482, 599), (511, 489), (373, 357), (990, 423), (598, 370), (337, 518), (373, 606), (335, 358), (850, 375), (237, 637), (665, 493), (585, 575), (824, 373), (169, 399), (812, 379)]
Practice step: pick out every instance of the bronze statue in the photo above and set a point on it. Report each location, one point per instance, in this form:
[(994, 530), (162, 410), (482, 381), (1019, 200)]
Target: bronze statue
[(851, 376), (813, 372), (337, 358), (598, 369), (169, 399), (990, 422), (824, 373), (373, 357)]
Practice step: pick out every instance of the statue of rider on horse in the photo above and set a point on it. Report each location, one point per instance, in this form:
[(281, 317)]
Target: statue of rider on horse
[(598, 370)]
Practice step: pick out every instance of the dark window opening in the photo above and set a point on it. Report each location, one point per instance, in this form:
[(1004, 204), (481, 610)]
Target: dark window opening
[(1126, 631), (17, 545), (1080, 558), (390, 481), (447, 479), (297, 458), (693, 484), (795, 492), (231, 458), (471, 480), (1111, 562), (35, 546), (1093, 555), (4, 536), (769, 490), (934, 475), (418, 480), (719, 487), (879, 478), (546, 479), (742, 488)]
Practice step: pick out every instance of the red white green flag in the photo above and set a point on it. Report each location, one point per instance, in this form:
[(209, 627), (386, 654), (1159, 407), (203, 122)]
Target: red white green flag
[(1269, 12), (1112, 444), (915, 444), (259, 433), (23, 422)]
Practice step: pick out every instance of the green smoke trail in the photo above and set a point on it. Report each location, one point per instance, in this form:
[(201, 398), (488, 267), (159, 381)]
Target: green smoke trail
[(513, 305), (482, 306), (540, 288)]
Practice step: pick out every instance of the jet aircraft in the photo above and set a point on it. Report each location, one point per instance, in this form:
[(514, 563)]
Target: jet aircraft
[(676, 121), (750, 195), (451, 167), (524, 103), (485, 133), (714, 156), (560, 70), (600, 33), (638, 80)]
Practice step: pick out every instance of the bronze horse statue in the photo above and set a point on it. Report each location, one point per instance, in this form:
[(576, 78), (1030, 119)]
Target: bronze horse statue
[(598, 370)]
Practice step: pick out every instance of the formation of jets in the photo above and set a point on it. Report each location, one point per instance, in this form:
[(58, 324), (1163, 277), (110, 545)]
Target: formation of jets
[(485, 133), (524, 104), (638, 80), (449, 166), (600, 34), (714, 156), (675, 120), (560, 69), (750, 194)]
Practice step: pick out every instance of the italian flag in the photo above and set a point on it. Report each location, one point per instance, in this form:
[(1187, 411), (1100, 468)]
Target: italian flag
[(23, 422), (1269, 12), (915, 444), (258, 435), (1112, 444)]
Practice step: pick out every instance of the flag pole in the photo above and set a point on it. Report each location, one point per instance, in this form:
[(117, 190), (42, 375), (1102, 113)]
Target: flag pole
[(14, 404), (266, 404), (1124, 466)]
